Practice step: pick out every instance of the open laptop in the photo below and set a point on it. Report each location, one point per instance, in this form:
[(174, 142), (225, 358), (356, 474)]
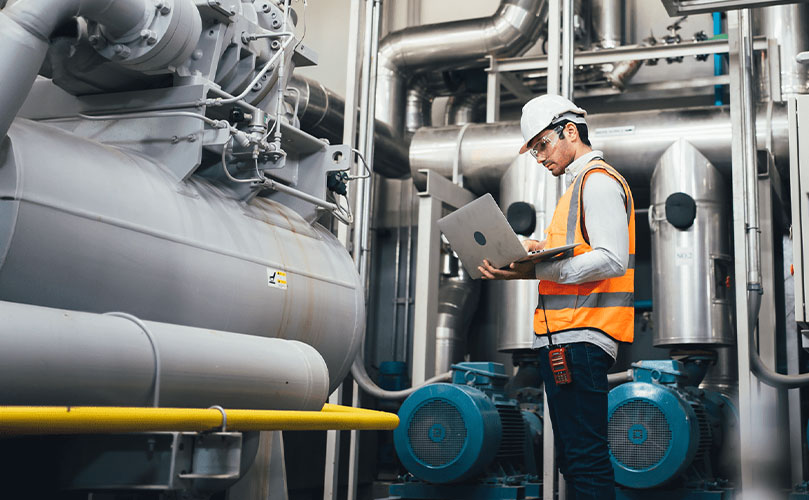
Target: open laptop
[(479, 231)]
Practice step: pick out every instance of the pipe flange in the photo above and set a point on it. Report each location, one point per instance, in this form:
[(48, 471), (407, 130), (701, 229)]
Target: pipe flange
[(166, 38)]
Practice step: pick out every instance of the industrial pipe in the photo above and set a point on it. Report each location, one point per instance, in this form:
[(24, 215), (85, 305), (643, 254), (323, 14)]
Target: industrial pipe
[(322, 111), (40, 420), (608, 25), (26, 26), (60, 357), (513, 28), (364, 380), (632, 141)]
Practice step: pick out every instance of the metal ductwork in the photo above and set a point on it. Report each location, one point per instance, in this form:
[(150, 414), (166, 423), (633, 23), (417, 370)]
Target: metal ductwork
[(608, 23), (511, 30), (321, 112), (787, 25), (633, 142), (465, 108)]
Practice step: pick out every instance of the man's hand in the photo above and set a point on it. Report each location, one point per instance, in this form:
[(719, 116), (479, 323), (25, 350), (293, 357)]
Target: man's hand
[(533, 245), (515, 271)]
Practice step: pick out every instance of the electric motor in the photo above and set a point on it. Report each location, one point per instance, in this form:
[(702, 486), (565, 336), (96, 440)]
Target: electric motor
[(660, 429), (450, 433)]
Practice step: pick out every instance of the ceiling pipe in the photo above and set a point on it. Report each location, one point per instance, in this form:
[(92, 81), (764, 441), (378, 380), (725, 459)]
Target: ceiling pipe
[(511, 30), (631, 141)]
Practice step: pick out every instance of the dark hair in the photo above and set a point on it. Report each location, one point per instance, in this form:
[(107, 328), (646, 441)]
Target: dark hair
[(581, 127)]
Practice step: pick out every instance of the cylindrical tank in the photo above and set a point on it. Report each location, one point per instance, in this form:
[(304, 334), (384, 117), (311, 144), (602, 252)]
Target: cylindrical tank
[(89, 227), (691, 256), (525, 183), (787, 25), (58, 357)]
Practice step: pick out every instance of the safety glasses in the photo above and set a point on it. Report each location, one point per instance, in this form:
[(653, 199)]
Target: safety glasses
[(546, 143)]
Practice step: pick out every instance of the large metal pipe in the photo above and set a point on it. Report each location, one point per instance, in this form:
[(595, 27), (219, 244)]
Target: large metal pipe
[(608, 23), (322, 113), (633, 142), (26, 27), (458, 296), (59, 357), (509, 31), (96, 228), (787, 25)]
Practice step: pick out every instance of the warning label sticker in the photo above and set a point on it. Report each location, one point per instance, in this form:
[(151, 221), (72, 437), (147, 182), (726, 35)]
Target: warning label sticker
[(277, 279)]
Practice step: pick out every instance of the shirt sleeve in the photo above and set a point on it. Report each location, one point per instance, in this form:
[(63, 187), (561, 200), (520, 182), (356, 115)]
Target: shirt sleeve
[(604, 202)]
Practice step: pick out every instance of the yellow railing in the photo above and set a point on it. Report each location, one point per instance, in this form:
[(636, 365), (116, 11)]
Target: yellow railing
[(25, 420)]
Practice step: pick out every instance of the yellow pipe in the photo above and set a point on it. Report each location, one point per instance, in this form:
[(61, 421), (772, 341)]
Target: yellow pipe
[(27, 420)]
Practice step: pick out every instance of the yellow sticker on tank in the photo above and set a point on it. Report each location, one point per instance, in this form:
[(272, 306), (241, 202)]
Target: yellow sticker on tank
[(276, 279)]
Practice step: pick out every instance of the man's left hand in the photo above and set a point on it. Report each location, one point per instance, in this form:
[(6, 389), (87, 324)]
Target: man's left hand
[(515, 271)]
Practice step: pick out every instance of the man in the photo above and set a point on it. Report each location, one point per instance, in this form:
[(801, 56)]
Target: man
[(585, 303)]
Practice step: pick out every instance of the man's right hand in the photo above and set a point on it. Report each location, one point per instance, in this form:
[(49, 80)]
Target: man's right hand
[(533, 245)]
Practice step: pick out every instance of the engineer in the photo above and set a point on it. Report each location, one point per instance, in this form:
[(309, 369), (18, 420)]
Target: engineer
[(585, 305)]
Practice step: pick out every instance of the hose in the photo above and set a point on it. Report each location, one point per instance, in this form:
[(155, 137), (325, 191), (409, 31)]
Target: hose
[(364, 381), (759, 369)]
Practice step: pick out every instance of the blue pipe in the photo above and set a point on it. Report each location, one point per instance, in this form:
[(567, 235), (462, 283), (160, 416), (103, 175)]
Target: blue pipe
[(717, 58)]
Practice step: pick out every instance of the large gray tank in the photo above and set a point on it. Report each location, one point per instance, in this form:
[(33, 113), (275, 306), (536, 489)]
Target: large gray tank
[(524, 182), (89, 227), (691, 261)]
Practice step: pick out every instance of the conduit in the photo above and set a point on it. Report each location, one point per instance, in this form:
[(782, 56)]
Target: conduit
[(40, 420)]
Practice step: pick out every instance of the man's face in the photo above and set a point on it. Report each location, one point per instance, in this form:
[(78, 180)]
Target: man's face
[(550, 151)]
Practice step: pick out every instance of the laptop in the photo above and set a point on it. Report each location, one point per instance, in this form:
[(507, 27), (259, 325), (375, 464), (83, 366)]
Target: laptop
[(479, 231)]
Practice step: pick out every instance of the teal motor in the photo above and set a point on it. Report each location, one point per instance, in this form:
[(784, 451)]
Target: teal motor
[(665, 431), (468, 430)]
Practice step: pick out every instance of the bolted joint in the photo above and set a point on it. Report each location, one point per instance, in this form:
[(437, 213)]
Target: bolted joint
[(163, 7), (97, 41), (149, 36), (121, 51)]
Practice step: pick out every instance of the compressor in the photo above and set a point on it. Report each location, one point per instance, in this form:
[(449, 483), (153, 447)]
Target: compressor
[(467, 439)]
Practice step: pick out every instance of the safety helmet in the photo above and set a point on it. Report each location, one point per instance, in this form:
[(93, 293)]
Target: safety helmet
[(541, 112)]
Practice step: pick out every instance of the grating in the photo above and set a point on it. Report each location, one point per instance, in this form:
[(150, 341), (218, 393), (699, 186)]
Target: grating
[(512, 442), (437, 433), (639, 435)]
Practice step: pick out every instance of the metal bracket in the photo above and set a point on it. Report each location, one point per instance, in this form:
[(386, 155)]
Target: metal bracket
[(434, 192), (159, 461)]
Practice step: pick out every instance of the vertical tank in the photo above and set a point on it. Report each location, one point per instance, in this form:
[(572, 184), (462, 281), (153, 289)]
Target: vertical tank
[(522, 195), (692, 267)]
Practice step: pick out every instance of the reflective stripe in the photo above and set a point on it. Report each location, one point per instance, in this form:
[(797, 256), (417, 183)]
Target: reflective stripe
[(605, 299), (573, 210), (631, 264)]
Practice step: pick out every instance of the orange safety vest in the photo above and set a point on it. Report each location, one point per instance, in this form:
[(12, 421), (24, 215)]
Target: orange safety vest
[(606, 305)]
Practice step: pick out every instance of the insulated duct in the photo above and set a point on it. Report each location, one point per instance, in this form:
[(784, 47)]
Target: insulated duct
[(321, 112), (787, 24), (26, 26), (512, 29), (633, 142), (54, 357)]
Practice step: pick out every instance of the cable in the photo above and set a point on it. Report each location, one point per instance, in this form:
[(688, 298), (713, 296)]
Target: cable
[(129, 116), (155, 351), (364, 163)]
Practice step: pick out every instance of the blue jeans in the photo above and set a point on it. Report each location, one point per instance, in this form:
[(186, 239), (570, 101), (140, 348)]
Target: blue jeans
[(578, 413)]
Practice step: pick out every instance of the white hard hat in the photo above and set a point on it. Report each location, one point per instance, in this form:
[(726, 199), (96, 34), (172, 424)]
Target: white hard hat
[(541, 112)]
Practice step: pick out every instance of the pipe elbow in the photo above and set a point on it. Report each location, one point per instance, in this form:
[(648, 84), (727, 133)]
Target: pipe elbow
[(514, 27)]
